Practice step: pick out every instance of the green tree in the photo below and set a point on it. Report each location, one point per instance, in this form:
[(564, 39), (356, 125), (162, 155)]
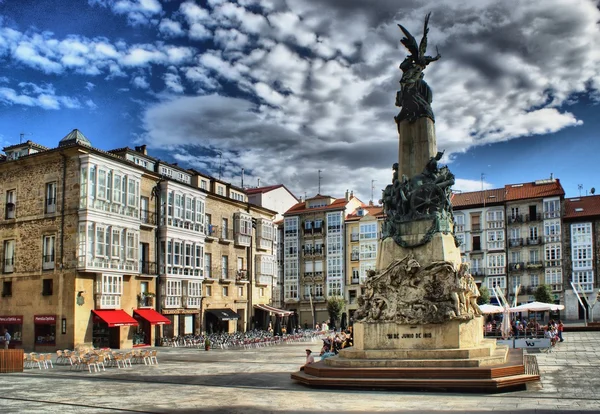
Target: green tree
[(543, 293), (484, 296), (335, 307)]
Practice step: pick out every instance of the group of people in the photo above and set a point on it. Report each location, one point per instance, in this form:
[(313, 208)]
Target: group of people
[(525, 328), (554, 331), (332, 344)]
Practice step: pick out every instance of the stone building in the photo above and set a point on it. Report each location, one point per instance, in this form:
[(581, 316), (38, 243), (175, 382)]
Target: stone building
[(314, 255), (108, 248), (363, 231), (581, 247)]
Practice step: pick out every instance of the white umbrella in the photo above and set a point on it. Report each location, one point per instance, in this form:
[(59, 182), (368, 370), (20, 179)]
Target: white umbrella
[(505, 328), (537, 307), (487, 308)]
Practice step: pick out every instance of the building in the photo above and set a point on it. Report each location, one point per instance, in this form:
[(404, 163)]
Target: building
[(363, 233), (314, 254), (581, 235), (279, 199), (110, 248), (512, 237)]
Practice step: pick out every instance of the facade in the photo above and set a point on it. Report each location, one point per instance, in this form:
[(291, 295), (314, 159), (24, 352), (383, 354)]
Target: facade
[(512, 237), (314, 255), (581, 235), (109, 248), (363, 233)]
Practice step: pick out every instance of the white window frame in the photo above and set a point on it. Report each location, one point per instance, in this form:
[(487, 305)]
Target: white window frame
[(48, 249)]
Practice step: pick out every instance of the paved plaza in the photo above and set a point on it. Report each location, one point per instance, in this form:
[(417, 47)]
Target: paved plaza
[(189, 380)]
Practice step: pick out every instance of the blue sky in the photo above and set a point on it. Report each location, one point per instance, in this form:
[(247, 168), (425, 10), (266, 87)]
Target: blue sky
[(283, 88)]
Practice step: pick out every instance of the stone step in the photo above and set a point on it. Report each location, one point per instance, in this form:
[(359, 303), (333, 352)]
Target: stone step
[(468, 353)]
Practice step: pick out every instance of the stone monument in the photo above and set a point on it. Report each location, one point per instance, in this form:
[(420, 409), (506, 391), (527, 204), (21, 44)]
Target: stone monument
[(419, 309)]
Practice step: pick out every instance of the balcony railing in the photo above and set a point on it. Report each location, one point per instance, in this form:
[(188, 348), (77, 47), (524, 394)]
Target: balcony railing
[(354, 237), (532, 241), (242, 239), (475, 227), (355, 280), (516, 267), (551, 214), (334, 228), (9, 265), (313, 252), (533, 217), (534, 265), (241, 275), (558, 287), (317, 230), (459, 228), (50, 205), (354, 257), (212, 231), (515, 219), (145, 301), (479, 271), (148, 217), (148, 268), (48, 262), (226, 235), (515, 242)]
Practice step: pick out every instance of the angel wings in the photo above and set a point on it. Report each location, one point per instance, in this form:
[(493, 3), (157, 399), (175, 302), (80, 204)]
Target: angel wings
[(418, 56)]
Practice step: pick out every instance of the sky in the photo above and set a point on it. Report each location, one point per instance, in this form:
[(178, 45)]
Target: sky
[(284, 88)]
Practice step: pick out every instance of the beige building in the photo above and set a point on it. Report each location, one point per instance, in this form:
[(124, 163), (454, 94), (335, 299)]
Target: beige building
[(108, 248), (363, 232), (314, 255)]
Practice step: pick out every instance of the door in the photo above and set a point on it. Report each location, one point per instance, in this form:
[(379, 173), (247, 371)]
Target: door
[(145, 258), (188, 325)]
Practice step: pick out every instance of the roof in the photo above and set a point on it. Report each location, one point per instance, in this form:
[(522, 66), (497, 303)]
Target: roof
[(588, 206), (263, 189), (373, 211), (536, 189), (478, 198), (27, 143), (75, 136), (299, 208)]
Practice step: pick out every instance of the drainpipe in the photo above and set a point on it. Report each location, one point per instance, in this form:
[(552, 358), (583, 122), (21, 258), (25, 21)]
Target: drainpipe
[(158, 294), (61, 276)]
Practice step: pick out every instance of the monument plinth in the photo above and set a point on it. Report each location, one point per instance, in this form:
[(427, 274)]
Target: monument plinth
[(418, 323)]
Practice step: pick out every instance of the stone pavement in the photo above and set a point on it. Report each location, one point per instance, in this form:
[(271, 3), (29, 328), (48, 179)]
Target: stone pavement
[(189, 380)]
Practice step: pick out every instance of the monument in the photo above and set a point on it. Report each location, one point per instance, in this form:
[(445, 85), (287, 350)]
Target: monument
[(418, 323)]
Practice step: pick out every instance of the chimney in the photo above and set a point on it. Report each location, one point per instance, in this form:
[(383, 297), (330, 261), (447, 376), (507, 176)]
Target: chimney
[(347, 197), (141, 149), (258, 185), (351, 194), (371, 203), (552, 176)]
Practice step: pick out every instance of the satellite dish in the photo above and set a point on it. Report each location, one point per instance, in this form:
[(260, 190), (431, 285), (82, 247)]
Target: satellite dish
[(593, 190)]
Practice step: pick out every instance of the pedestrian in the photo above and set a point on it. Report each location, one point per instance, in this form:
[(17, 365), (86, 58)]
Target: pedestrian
[(310, 359), (560, 330), (6, 338)]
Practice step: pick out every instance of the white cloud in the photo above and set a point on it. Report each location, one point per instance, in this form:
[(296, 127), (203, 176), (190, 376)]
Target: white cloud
[(138, 12), (464, 185), (33, 95), (173, 81), (140, 82), (89, 86), (170, 28)]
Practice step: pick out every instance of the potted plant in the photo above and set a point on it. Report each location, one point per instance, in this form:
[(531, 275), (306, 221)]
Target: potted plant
[(206, 344)]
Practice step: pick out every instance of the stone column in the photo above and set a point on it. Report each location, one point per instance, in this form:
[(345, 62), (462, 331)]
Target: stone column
[(417, 146)]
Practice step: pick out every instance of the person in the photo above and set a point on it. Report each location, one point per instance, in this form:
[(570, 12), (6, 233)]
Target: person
[(6, 338), (310, 359), (560, 330)]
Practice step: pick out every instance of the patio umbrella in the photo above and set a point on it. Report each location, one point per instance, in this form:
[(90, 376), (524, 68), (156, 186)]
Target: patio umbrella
[(505, 328), (487, 308), (537, 307), (344, 323)]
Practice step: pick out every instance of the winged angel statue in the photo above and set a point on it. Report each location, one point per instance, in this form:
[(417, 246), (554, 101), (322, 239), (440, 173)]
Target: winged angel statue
[(414, 96)]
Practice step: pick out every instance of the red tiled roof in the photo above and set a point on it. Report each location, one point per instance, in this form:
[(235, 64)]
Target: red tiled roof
[(537, 189), (582, 207), (263, 189), (374, 211), (477, 198), (338, 204)]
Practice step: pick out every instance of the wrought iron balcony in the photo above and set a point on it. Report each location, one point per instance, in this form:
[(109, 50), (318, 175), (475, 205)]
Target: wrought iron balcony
[(533, 217), (354, 257), (148, 217), (515, 219), (148, 268), (515, 242), (532, 241), (516, 267), (354, 237), (534, 265)]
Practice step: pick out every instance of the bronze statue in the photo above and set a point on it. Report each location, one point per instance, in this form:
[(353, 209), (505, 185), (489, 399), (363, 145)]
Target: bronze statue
[(414, 96)]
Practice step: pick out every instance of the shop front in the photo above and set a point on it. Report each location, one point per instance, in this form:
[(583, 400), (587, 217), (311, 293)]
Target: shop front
[(106, 330), (217, 320), (14, 326), (147, 319), (268, 316), (181, 322), (44, 330)]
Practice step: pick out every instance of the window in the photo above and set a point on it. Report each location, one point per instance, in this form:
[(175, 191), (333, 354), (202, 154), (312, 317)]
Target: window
[(203, 185), (177, 253), (499, 281), (117, 191), (189, 255), (584, 278), (47, 287), (533, 233), (220, 190), (551, 208), (207, 265), (459, 223), (553, 255), (112, 284), (308, 225), (552, 231), (208, 287), (354, 275), (116, 243), (132, 194), (225, 291), (368, 250), (50, 204), (534, 281), (9, 256), (224, 267), (368, 231), (48, 252), (334, 288), (496, 264), (7, 288), (581, 245), (11, 204), (189, 209), (240, 291), (132, 244), (318, 224), (199, 256), (495, 219), (554, 278), (495, 239), (319, 290), (224, 228), (261, 292), (101, 184)]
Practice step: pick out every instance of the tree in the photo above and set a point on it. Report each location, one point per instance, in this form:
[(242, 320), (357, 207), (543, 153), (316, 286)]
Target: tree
[(543, 293), (335, 307), (484, 296)]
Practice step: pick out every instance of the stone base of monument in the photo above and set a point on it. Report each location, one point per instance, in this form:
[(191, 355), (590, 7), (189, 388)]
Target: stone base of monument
[(423, 357)]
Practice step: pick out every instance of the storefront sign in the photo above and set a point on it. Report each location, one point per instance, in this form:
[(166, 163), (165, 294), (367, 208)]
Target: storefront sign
[(11, 320), (44, 319), (179, 311)]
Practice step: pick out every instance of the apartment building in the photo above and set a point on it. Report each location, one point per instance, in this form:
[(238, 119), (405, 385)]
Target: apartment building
[(279, 199), (512, 236), (581, 235), (314, 254), (363, 233), (108, 248)]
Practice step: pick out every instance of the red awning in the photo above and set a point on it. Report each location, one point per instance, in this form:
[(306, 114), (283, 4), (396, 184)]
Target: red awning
[(271, 309), (152, 316), (116, 317)]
